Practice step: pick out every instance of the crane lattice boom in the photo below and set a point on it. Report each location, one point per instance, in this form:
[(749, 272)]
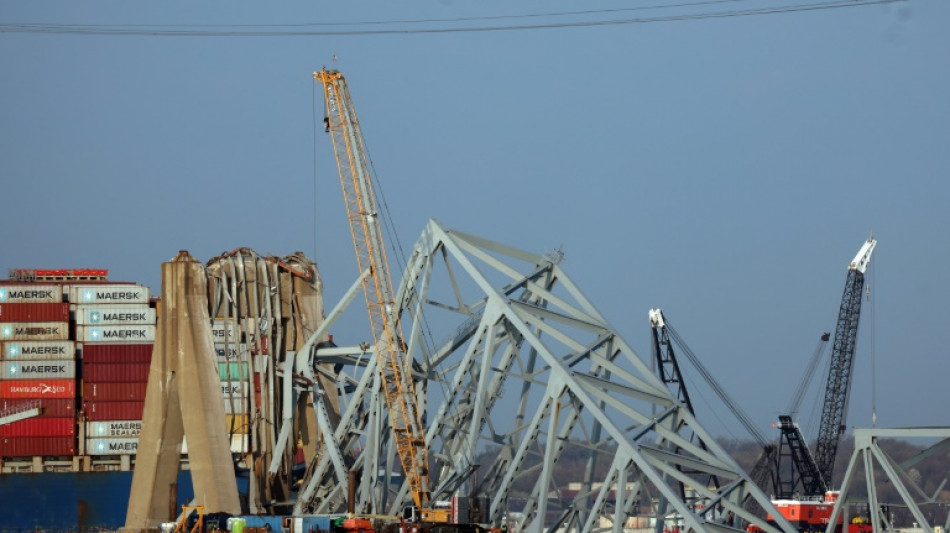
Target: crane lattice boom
[(837, 391), (360, 200)]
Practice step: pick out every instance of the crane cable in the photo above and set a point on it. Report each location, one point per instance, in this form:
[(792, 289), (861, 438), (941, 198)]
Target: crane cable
[(809, 376), (427, 346), (395, 245), (867, 289), (741, 415), (313, 101)]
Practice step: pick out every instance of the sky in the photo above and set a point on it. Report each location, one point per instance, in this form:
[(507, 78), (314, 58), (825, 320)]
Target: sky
[(723, 168)]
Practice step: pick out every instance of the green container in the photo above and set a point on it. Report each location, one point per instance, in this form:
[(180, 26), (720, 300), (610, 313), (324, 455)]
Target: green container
[(234, 371)]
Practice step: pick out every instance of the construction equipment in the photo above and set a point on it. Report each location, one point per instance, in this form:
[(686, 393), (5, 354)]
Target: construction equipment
[(360, 199), (591, 370), (664, 337), (794, 467), (838, 390), (198, 526), (805, 498), (813, 473)]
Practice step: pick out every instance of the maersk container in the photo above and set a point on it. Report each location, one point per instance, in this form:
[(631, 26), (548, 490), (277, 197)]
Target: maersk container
[(114, 428), (39, 427), (34, 312), (122, 334), (114, 392), (240, 443), (235, 389), (34, 331), (116, 353), (223, 330), (52, 408), (109, 294), (112, 446), (38, 388), (234, 371), (103, 411), (47, 369), (115, 314), (231, 351), (37, 350), (37, 446), (115, 373), (32, 293)]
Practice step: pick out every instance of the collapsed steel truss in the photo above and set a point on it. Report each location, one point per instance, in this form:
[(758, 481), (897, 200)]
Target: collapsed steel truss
[(530, 368), (868, 454)]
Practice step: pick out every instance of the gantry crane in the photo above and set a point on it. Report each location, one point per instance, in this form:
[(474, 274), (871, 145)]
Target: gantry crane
[(360, 199)]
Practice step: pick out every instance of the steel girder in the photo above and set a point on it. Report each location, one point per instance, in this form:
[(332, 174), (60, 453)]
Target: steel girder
[(530, 370), (867, 454)]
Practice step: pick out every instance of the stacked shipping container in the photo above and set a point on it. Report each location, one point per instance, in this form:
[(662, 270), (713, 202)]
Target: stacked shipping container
[(37, 364), (83, 349), (116, 327), (234, 371)]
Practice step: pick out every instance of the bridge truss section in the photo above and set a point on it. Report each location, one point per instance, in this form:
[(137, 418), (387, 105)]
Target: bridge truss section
[(529, 372), (871, 461)]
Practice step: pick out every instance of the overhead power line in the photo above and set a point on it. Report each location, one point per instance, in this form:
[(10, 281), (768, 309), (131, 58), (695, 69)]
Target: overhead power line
[(300, 31)]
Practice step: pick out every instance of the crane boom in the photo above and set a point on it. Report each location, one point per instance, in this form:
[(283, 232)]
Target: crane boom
[(804, 470), (667, 365), (837, 391), (360, 199)]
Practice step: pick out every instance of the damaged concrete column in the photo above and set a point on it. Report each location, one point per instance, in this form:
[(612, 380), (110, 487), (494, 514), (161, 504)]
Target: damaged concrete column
[(183, 399)]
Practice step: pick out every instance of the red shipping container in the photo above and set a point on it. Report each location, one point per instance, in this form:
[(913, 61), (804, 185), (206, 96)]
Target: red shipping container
[(40, 427), (34, 312), (38, 388), (114, 392), (115, 373), (100, 411), (116, 353), (33, 446), (52, 408)]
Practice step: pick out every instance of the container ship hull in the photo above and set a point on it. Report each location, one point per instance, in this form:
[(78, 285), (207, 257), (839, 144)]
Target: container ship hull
[(71, 501)]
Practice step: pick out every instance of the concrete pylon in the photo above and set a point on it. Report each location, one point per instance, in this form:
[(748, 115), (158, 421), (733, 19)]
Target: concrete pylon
[(183, 399)]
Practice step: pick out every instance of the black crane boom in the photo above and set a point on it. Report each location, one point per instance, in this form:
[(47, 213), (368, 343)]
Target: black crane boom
[(837, 392)]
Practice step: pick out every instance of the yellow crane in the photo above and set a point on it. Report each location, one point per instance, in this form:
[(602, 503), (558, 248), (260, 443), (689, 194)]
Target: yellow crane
[(395, 365)]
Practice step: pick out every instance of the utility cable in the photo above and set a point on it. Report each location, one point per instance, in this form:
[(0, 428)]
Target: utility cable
[(406, 21), (158, 31)]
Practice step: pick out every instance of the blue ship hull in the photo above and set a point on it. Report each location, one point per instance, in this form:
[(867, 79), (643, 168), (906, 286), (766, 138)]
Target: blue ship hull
[(78, 501)]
